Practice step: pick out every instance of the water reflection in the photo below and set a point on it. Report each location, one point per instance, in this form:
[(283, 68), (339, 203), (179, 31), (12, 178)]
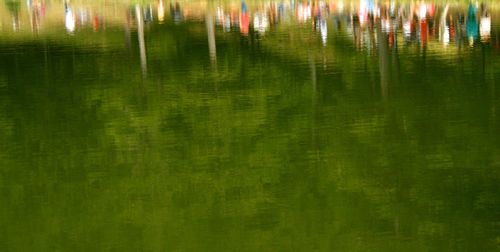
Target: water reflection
[(368, 23), (417, 22), (140, 37), (249, 125), (70, 18)]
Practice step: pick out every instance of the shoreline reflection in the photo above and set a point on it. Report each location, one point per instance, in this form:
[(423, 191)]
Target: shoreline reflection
[(368, 24), (417, 22)]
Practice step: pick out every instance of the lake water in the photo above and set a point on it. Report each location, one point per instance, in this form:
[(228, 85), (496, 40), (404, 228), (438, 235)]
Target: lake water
[(249, 126)]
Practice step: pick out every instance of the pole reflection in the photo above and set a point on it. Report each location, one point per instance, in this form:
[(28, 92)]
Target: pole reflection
[(140, 36)]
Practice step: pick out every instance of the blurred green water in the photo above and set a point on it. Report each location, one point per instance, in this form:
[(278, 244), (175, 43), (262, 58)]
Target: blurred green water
[(280, 143)]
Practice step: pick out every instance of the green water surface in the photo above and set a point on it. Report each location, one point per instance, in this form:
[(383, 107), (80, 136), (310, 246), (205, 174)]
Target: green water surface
[(274, 141)]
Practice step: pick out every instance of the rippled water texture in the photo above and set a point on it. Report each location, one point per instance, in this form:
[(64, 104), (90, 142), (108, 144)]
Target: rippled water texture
[(249, 126)]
